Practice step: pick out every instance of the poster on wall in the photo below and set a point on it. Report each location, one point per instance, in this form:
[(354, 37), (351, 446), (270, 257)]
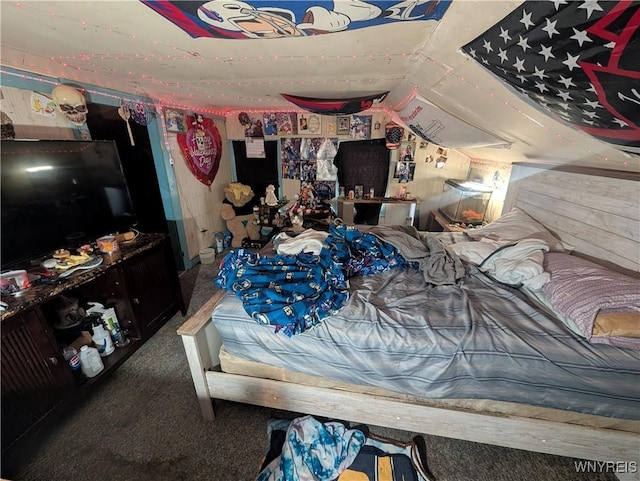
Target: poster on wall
[(252, 125), (291, 158), (201, 147), (287, 123), (270, 123), (325, 154), (360, 127)]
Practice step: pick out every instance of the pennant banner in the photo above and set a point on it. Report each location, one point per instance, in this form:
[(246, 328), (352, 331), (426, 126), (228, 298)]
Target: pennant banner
[(579, 61), (437, 126), (336, 106)]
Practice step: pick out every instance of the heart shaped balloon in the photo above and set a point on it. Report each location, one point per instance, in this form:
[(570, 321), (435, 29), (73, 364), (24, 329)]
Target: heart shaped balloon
[(201, 147)]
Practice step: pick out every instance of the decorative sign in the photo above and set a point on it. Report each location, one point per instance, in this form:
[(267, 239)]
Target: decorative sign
[(439, 127), (201, 147), (260, 19)]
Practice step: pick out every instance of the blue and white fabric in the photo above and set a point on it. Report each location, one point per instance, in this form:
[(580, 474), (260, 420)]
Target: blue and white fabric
[(294, 293), (314, 451)]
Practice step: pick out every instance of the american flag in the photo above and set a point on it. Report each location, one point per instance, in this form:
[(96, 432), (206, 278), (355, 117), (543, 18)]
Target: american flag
[(579, 60)]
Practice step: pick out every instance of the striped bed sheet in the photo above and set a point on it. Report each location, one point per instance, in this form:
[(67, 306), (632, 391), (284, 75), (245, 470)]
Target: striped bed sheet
[(474, 340)]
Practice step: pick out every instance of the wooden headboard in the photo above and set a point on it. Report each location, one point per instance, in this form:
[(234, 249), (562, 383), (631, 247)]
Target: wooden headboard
[(596, 211)]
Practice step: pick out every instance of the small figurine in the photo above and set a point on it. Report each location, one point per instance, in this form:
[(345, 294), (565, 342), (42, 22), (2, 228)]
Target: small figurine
[(271, 198)]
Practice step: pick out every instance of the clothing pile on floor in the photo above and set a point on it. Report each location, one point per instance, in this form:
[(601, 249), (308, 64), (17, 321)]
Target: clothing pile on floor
[(307, 449)]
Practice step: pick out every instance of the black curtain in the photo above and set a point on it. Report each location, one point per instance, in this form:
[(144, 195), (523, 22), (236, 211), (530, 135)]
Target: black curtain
[(257, 173), (138, 167), (366, 163)]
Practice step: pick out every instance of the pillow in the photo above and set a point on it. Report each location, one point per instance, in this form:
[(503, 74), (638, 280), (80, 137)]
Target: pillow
[(513, 226), (617, 324), (581, 290)]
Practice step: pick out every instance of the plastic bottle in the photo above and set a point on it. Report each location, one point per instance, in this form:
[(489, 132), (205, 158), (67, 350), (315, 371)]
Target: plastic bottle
[(76, 369), (102, 339), (90, 361)]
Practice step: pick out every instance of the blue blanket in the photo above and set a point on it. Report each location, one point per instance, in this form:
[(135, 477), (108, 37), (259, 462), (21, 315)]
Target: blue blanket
[(294, 293)]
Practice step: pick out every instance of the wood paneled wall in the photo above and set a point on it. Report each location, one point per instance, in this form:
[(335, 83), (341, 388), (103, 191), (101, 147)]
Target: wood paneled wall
[(595, 211)]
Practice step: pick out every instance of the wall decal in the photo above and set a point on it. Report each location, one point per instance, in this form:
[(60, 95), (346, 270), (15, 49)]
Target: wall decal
[(578, 61), (42, 105), (201, 147), (278, 19)]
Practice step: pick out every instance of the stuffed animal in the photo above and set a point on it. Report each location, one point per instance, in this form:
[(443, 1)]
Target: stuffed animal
[(237, 210)]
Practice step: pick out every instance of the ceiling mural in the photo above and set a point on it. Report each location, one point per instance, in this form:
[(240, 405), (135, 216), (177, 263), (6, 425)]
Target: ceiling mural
[(233, 19), (578, 60)]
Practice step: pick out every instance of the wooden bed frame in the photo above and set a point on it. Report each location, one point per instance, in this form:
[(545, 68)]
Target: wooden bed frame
[(595, 211)]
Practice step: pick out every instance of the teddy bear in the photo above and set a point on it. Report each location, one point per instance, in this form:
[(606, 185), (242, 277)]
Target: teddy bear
[(237, 211)]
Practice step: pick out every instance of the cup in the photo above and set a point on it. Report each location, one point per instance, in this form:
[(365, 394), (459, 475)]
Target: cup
[(107, 244)]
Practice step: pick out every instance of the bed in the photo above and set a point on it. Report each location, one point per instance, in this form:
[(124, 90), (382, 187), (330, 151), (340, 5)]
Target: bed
[(582, 401)]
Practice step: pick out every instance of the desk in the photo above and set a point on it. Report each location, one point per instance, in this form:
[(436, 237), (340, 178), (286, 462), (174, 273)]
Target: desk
[(436, 222), (346, 206)]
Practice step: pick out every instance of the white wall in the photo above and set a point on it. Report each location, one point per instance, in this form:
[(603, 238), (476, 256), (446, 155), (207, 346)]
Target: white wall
[(200, 203)]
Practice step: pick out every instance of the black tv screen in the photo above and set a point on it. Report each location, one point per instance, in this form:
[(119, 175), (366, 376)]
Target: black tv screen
[(59, 194)]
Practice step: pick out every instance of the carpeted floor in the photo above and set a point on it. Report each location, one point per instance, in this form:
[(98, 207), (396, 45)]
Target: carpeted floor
[(143, 423)]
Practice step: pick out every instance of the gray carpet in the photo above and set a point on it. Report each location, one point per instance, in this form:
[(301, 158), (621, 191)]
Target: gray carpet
[(143, 423)]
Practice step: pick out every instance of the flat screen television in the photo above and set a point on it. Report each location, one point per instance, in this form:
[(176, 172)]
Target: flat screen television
[(59, 194)]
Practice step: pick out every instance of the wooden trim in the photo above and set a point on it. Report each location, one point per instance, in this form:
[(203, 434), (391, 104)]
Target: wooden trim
[(196, 322), (509, 431), (194, 340), (576, 169)]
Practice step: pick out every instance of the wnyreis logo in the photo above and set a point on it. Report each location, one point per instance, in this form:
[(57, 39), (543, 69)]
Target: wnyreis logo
[(606, 466)]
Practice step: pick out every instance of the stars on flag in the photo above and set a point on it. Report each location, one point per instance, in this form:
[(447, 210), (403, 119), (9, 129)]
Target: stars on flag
[(575, 58)]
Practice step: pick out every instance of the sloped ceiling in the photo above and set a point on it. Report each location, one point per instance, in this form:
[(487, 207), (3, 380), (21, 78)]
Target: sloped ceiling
[(128, 47)]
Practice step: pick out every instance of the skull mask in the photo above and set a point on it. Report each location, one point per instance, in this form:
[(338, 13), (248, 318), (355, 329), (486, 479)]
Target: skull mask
[(71, 103)]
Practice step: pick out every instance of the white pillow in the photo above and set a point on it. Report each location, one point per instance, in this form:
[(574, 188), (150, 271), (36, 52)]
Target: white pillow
[(514, 226)]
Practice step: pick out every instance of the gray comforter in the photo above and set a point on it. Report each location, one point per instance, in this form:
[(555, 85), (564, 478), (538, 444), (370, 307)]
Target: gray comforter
[(472, 339)]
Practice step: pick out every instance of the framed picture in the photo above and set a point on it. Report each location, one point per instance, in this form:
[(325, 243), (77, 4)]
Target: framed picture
[(315, 124), (343, 121), (175, 121)]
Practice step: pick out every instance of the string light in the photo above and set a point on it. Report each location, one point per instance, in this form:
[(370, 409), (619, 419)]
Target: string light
[(88, 62)]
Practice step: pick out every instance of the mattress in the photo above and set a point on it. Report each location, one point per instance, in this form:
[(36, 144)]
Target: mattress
[(474, 340)]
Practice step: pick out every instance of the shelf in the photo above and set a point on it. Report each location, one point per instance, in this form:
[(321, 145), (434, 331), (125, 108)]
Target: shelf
[(113, 360)]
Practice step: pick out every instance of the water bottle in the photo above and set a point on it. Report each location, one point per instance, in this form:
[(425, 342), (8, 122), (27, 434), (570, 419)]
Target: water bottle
[(90, 361)]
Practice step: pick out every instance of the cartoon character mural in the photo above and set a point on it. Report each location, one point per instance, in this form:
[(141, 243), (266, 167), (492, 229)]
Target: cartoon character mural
[(253, 19)]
